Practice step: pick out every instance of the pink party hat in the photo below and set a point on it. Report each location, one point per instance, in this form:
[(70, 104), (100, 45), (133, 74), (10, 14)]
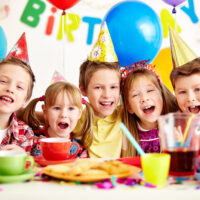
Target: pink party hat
[(57, 77), (19, 50)]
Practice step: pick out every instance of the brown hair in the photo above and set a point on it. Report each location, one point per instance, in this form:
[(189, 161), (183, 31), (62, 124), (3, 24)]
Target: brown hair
[(187, 69), (130, 120), (26, 67), (31, 117), (87, 69)]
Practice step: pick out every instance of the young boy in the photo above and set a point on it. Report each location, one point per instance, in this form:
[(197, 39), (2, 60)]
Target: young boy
[(185, 74), (186, 83), (16, 84)]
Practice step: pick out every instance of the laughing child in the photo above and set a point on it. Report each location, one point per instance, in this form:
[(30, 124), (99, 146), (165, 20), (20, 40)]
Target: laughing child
[(16, 84)]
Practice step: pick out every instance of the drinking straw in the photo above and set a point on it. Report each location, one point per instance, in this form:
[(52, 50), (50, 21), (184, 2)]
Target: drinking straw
[(132, 139), (186, 129)]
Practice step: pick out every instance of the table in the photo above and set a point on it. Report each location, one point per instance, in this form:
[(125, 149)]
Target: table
[(54, 190)]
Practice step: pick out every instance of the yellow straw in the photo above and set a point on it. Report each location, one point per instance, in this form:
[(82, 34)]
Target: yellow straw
[(186, 129)]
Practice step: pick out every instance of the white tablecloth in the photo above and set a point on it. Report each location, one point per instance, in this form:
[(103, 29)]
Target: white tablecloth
[(55, 190)]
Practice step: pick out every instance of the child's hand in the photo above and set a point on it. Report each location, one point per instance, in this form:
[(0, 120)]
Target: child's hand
[(178, 134), (13, 147)]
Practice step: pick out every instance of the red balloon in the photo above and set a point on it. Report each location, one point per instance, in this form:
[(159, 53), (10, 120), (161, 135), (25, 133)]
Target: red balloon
[(63, 4)]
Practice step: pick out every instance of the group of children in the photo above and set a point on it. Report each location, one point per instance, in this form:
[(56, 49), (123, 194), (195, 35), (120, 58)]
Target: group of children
[(96, 127)]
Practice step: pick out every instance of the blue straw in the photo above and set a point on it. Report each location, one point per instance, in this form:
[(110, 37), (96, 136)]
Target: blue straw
[(132, 139)]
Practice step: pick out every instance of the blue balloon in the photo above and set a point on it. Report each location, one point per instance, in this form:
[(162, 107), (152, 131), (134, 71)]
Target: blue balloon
[(135, 30), (3, 44)]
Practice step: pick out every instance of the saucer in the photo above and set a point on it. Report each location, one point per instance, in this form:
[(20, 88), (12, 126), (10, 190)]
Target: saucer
[(43, 162), (136, 161), (17, 178)]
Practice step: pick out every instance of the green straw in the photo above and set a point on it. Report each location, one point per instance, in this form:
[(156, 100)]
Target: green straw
[(132, 139)]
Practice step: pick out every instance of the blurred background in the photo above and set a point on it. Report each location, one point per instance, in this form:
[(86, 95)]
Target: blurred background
[(51, 50)]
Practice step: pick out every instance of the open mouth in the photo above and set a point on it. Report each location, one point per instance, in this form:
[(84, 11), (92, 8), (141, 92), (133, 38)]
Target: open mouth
[(149, 109), (6, 99), (106, 103), (63, 125), (194, 109)]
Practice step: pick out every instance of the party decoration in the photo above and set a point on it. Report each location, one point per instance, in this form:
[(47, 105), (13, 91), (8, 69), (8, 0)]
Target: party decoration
[(3, 44), (181, 52), (63, 4), (163, 66), (135, 30), (57, 77), (19, 50), (174, 3), (125, 71), (190, 11), (103, 50), (168, 20)]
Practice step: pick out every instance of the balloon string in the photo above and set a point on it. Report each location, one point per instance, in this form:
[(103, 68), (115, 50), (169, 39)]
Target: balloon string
[(174, 12), (64, 31), (60, 30)]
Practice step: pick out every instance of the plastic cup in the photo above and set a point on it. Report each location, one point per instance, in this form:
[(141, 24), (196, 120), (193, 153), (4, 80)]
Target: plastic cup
[(155, 167)]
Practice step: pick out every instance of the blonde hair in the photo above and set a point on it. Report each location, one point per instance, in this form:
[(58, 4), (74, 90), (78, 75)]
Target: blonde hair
[(31, 117), (87, 69), (130, 120), (26, 67)]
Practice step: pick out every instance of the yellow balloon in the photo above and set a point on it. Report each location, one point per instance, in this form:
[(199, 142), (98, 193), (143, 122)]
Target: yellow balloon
[(163, 66)]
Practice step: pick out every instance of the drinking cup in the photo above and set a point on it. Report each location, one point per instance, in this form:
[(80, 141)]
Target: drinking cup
[(155, 167), (58, 148), (179, 135), (14, 162)]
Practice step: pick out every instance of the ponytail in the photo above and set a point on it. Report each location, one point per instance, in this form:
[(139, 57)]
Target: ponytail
[(30, 116)]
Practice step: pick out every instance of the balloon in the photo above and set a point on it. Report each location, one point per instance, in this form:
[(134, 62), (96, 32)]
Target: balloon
[(135, 30), (174, 2), (3, 44), (163, 66), (63, 4)]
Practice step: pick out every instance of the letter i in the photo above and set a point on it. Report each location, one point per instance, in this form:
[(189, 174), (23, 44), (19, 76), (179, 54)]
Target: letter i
[(50, 22)]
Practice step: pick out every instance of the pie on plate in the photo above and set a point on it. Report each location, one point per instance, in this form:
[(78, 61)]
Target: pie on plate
[(90, 170)]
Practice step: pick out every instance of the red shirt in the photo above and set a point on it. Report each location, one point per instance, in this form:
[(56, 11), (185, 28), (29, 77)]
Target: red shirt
[(18, 133)]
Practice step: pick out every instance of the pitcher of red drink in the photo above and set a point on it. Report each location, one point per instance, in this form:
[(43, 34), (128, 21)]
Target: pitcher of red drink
[(179, 136)]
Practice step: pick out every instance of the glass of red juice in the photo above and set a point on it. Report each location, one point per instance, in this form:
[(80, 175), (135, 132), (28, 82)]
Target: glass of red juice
[(179, 137)]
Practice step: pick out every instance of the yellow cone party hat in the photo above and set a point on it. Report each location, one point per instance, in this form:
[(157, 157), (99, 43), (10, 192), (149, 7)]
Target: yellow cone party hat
[(103, 49), (181, 52)]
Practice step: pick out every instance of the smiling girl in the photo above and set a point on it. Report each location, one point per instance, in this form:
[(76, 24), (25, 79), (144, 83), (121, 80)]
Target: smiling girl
[(62, 109), (145, 98)]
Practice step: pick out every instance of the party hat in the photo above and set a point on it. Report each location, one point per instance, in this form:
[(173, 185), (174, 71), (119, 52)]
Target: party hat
[(57, 77), (181, 52), (19, 50), (103, 50)]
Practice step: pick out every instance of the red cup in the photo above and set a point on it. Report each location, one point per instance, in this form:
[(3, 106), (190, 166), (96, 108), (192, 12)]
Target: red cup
[(57, 148)]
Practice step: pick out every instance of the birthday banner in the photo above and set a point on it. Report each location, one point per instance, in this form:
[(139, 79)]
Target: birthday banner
[(60, 33)]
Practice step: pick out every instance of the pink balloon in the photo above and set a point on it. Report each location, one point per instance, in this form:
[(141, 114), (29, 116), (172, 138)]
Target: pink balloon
[(174, 2)]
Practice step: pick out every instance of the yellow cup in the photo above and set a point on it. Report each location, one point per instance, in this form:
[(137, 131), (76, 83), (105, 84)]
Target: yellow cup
[(155, 167)]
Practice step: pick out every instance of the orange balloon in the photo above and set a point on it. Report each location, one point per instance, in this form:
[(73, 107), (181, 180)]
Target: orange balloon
[(163, 66)]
